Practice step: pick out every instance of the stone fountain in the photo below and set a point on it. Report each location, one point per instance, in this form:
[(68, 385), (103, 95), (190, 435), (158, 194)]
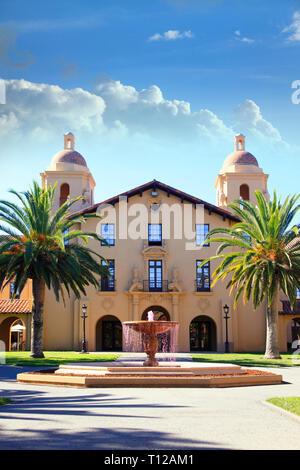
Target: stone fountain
[(144, 336), (145, 333)]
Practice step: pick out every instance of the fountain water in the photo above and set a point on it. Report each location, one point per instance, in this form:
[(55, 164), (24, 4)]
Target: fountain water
[(143, 336)]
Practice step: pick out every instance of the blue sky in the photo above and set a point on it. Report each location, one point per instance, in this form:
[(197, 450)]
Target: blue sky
[(151, 89)]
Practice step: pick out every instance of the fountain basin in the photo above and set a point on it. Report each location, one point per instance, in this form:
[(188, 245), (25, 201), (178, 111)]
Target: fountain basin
[(144, 333), (154, 327)]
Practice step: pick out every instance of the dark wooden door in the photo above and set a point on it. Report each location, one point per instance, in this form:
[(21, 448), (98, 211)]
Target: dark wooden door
[(111, 335)]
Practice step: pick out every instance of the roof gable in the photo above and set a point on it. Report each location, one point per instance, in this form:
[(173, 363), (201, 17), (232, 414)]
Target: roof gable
[(154, 184)]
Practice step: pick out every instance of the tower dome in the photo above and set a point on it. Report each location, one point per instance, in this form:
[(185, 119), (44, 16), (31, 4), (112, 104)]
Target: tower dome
[(69, 154), (240, 156), (240, 176), (69, 172)]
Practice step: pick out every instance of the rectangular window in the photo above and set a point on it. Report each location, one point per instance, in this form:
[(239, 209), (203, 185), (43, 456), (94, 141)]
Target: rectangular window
[(202, 277), (108, 233), (201, 233), (155, 275), (11, 287), (154, 234), (108, 283)]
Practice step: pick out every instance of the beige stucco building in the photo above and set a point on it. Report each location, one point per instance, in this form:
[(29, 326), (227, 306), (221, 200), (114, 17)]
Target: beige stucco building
[(154, 234)]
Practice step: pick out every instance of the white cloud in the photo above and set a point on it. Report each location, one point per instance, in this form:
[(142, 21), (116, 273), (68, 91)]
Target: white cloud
[(248, 40), (118, 95), (249, 120), (114, 111), (171, 35), (147, 112), (294, 28), (240, 38), (33, 107)]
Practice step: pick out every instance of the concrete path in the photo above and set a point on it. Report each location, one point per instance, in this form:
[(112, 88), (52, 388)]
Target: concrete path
[(45, 417)]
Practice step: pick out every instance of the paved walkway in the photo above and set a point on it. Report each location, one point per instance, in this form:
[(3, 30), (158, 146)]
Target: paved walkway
[(45, 417)]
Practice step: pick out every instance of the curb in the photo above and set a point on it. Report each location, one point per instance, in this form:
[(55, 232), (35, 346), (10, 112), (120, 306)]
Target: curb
[(282, 411)]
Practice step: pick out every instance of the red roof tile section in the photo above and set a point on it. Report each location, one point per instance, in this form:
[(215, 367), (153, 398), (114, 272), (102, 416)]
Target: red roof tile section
[(15, 306)]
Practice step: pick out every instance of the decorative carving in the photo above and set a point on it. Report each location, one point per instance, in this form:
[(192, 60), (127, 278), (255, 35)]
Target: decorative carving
[(174, 285), (203, 305), (136, 283), (107, 303), (156, 297), (155, 202), (85, 194)]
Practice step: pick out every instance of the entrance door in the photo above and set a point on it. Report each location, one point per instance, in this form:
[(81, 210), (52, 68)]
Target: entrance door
[(202, 335), (111, 335)]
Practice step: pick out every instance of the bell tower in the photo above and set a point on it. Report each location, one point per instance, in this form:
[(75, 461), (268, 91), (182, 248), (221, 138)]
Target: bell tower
[(69, 171), (240, 176), (69, 141)]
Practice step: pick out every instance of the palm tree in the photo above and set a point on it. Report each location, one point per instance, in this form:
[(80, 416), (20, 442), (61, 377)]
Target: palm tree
[(265, 257), (44, 246)]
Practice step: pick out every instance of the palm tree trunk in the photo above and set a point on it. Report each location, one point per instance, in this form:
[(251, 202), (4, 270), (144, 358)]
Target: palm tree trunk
[(272, 340), (38, 291)]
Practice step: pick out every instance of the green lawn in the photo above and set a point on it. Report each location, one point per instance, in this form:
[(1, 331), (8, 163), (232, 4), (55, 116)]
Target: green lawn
[(291, 404), (248, 359), (4, 401), (54, 358)]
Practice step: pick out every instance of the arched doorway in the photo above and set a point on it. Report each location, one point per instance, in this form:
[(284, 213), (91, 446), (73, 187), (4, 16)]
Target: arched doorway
[(109, 334), (160, 313), (12, 333), (17, 336), (203, 334), (293, 334)]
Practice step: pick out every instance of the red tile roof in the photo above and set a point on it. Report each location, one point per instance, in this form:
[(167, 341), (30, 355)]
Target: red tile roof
[(15, 306)]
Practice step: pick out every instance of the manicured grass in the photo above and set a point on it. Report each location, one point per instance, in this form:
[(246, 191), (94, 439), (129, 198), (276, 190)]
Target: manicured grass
[(54, 358), (291, 404), (249, 359), (4, 401)]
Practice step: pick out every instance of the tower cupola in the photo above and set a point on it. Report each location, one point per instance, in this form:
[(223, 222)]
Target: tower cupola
[(240, 176), (69, 170)]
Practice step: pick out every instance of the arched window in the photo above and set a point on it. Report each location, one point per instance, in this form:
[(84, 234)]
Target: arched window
[(64, 193), (244, 192)]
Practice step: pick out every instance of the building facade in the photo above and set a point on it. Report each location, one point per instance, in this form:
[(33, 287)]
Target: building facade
[(154, 236), (15, 318)]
